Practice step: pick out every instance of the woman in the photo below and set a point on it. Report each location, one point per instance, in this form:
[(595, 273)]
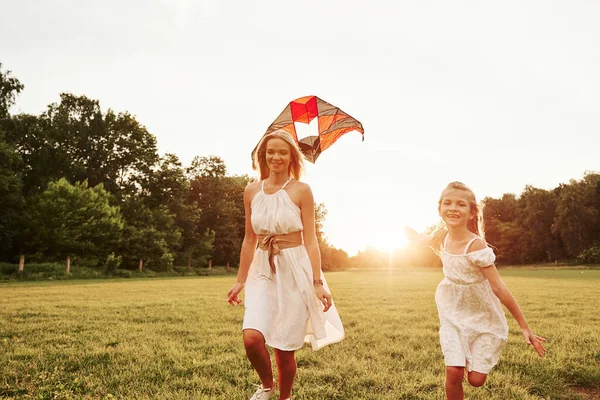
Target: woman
[(286, 293)]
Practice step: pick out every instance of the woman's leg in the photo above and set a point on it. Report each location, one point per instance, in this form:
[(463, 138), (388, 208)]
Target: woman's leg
[(259, 357), (286, 367), (454, 378)]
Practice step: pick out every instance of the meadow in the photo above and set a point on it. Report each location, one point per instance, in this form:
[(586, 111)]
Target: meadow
[(177, 338)]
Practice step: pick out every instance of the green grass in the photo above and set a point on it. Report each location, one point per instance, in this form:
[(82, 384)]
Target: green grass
[(177, 339)]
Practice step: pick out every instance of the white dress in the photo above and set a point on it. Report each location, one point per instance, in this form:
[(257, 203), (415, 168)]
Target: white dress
[(284, 306), (473, 326)]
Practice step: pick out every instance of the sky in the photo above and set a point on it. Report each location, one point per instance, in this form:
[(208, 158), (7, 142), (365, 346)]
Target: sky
[(498, 94)]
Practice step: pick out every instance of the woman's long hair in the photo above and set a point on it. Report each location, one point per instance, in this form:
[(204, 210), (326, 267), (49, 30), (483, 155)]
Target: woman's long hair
[(474, 225), (296, 161)]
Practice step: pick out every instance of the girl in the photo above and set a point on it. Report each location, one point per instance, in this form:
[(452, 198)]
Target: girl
[(473, 326), (286, 292)]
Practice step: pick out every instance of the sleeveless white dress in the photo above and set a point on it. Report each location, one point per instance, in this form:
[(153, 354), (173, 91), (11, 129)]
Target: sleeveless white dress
[(473, 326), (283, 306)]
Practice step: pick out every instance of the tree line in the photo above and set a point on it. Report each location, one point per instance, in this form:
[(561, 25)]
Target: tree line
[(547, 225), (90, 185), (538, 226)]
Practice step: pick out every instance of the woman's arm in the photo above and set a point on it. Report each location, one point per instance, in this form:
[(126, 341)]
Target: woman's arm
[(307, 211), (247, 252)]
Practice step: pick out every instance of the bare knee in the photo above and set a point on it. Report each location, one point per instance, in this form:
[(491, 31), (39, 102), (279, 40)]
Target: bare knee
[(476, 379), (454, 375), (285, 357), (253, 340)]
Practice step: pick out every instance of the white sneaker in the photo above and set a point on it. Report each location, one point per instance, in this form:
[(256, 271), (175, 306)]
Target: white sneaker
[(262, 394)]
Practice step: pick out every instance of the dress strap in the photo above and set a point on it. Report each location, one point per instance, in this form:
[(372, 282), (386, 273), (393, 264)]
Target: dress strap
[(285, 184), (470, 243), (262, 187)]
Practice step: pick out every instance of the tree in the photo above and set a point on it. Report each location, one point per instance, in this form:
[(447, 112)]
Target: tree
[(10, 87), (12, 201), (73, 220), (149, 235), (44, 160), (168, 185), (502, 229), (211, 167), (228, 249), (220, 198), (320, 216), (11, 166), (538, 208), (75, 140), (577, 219), (331, 258)]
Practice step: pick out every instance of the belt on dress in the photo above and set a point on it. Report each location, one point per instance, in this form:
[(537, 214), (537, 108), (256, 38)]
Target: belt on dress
[(275, 242)]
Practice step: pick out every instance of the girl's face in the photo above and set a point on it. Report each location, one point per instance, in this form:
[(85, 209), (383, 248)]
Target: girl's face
[(454, 208), (278, 155)]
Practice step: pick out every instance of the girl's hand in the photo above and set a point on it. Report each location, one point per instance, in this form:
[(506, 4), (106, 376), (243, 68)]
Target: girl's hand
[(411, 234), (324, 296), (232, 294), (534, 340)]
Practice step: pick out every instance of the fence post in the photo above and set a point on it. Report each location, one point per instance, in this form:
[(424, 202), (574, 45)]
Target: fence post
[(21, 265), (68, 265), (141, 265), (210, 265), (227, 267)]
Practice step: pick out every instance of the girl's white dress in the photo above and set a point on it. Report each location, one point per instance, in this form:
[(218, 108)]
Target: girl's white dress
[(473, 325), (283, 306)]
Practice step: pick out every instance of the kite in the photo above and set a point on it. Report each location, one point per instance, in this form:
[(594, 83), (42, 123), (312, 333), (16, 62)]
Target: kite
[(332, 122)]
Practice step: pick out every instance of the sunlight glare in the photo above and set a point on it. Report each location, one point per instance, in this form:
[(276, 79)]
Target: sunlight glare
[(365, 208)]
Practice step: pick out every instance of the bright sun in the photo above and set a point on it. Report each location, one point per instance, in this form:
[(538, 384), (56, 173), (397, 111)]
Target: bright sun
[(365, 234), (382, 228), (364, 210), (389, 244)]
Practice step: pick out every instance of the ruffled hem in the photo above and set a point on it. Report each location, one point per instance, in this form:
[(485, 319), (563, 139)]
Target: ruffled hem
[(478, 353)]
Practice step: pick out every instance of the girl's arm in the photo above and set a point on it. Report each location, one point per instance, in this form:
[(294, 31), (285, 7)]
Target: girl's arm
[(247, 252), (421, 239), (307, 211), (503, 293)]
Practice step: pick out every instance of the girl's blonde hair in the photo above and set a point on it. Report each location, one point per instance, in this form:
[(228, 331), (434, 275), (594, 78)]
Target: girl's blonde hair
[(474, 225), (296, 161)]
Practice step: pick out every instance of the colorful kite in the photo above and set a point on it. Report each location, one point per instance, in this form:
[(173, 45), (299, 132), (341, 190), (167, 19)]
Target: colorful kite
[(332, 122)]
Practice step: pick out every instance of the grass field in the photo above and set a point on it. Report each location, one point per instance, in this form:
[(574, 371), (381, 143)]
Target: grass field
[(178, 339)]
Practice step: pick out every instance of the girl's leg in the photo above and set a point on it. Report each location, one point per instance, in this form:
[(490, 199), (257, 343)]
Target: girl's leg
[(476, 378), (286, 366), (454, 378), (259, 357)]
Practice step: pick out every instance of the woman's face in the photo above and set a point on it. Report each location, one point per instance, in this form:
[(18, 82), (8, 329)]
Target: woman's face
[(454, 208), (278, 155)]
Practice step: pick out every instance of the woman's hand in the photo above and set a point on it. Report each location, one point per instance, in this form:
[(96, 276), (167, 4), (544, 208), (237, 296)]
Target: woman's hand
[(232, 294), (323, 296), (534, 340)]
